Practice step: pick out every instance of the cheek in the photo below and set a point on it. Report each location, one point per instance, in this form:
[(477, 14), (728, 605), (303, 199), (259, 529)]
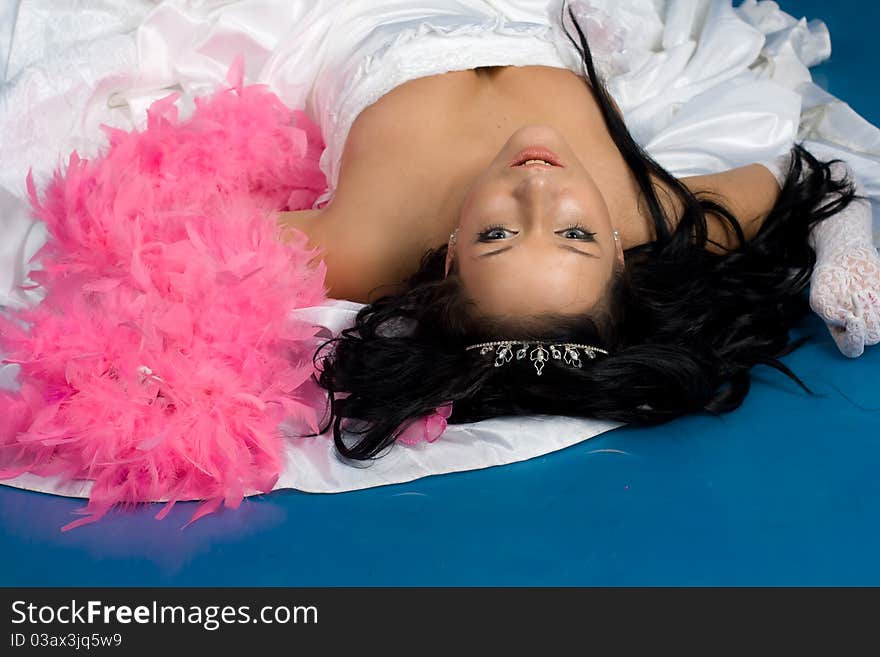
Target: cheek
[(485, 200), (585, 194)]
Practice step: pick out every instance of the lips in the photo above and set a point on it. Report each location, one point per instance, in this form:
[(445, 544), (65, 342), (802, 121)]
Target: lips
[(537, 153)]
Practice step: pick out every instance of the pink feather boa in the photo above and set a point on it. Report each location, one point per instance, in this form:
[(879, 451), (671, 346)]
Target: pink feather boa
[(162, 361)]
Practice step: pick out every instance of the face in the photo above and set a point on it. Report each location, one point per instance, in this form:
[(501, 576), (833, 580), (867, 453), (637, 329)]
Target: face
[(535, 238)]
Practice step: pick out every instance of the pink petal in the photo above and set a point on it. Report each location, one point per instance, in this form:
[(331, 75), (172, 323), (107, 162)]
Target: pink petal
[(415, 433), (434, 427), (444, 411)]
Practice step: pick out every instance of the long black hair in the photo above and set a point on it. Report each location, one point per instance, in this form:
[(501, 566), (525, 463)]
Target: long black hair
[(683, 324)]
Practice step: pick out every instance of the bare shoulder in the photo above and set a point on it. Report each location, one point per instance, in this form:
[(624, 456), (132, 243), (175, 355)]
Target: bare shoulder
[(303, 220), (751, 188), (360, 263), (749, 192)]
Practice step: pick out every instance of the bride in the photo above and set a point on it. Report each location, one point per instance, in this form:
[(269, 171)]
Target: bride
[(520, 253), (518, 250)]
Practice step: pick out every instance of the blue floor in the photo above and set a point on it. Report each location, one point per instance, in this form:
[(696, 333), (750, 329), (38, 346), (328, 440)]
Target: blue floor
[(783, 491)]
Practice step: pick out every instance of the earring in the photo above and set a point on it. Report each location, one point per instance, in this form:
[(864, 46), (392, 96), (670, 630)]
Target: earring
[(616, 235), (452, 237)]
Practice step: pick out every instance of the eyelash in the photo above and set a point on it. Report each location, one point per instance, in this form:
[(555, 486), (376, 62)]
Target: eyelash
[(488, 229), (589, 234)]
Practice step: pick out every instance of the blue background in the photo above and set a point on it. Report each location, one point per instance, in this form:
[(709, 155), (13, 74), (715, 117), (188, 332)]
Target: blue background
[(783, 491)]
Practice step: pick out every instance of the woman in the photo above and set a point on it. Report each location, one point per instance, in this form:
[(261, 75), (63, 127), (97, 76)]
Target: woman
[(531, 258), (161, 362)]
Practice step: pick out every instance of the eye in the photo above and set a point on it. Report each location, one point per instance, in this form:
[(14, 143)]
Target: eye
[(494, 233), (577, 232)]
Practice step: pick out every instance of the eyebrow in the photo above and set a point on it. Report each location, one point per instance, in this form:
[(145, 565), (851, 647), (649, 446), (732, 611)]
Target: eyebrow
[(561, 246)]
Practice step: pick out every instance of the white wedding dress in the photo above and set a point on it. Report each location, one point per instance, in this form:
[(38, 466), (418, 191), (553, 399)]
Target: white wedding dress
[(703, 87)]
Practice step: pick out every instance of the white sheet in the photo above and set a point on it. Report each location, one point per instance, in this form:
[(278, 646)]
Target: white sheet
[(713, 88)]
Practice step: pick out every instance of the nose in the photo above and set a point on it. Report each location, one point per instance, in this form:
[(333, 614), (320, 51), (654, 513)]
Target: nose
[(537, 192)]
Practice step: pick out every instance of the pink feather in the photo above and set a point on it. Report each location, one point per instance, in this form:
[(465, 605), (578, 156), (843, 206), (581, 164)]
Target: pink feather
[(161, 361)]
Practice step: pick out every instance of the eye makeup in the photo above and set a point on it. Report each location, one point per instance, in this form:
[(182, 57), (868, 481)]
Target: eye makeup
[(586, 235)]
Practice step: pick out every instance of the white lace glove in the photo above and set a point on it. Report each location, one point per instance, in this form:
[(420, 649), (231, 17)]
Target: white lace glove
[(845, 286)]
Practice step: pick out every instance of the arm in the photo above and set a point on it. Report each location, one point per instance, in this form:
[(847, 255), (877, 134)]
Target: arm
[(749, 192), (845, 285)]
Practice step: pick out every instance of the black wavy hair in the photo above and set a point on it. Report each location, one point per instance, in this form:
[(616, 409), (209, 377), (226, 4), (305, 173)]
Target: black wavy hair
[(684, 324)]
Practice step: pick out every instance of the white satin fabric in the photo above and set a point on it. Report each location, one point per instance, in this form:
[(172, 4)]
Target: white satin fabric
[(703, 87)]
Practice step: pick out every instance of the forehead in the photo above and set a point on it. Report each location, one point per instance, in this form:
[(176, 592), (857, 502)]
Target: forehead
[(510, 284)]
